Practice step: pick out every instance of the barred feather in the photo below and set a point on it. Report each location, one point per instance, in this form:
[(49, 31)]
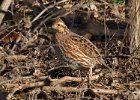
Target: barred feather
[(75, 48)]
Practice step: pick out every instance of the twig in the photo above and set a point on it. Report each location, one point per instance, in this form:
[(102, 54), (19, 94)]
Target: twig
[(51, 6), (4, 6), (92, 93), (55, 82), (74, 89), (49, 17), (25, 86), (123, 56), (57, 13), (3, 68), (16, 58)]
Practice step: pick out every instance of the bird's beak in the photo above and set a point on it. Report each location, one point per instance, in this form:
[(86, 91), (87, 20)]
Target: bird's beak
[(53, 26)]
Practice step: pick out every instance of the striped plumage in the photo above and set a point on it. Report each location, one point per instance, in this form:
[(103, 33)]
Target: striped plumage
[(73, 53), (75, 48)]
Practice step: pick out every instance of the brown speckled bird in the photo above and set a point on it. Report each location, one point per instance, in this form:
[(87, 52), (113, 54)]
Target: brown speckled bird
[(77, 49)]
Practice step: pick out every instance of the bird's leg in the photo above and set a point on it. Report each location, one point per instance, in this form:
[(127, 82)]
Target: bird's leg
[(90, 76)]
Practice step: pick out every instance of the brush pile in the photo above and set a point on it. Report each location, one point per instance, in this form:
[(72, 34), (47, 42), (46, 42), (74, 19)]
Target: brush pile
[(32, 66)]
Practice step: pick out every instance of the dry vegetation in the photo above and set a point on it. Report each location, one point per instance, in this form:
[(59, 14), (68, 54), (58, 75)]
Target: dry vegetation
[(32, 66)]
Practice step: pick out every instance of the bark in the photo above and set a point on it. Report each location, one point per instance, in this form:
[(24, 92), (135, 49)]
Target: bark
[(135, 27)]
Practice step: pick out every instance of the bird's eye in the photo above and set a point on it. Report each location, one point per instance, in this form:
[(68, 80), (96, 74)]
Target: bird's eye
[(58, 24)]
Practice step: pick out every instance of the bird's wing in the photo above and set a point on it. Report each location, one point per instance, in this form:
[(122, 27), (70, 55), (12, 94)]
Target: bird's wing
[(87, 47)]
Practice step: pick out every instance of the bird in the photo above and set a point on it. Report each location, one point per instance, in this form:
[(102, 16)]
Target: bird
[(77, 49)]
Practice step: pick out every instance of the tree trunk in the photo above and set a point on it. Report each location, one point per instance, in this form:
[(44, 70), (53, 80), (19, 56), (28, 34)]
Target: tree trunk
[(135, 28), (135, 33)]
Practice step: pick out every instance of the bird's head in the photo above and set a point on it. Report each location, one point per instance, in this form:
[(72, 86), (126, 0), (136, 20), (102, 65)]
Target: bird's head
[(59, 26)]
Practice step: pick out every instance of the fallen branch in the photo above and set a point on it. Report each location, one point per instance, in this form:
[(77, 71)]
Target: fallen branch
[(22, 87), (56, 82), (75, 89)]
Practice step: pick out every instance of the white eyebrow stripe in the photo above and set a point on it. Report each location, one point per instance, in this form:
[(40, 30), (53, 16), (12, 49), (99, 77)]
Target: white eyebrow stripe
[(61, 23)]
